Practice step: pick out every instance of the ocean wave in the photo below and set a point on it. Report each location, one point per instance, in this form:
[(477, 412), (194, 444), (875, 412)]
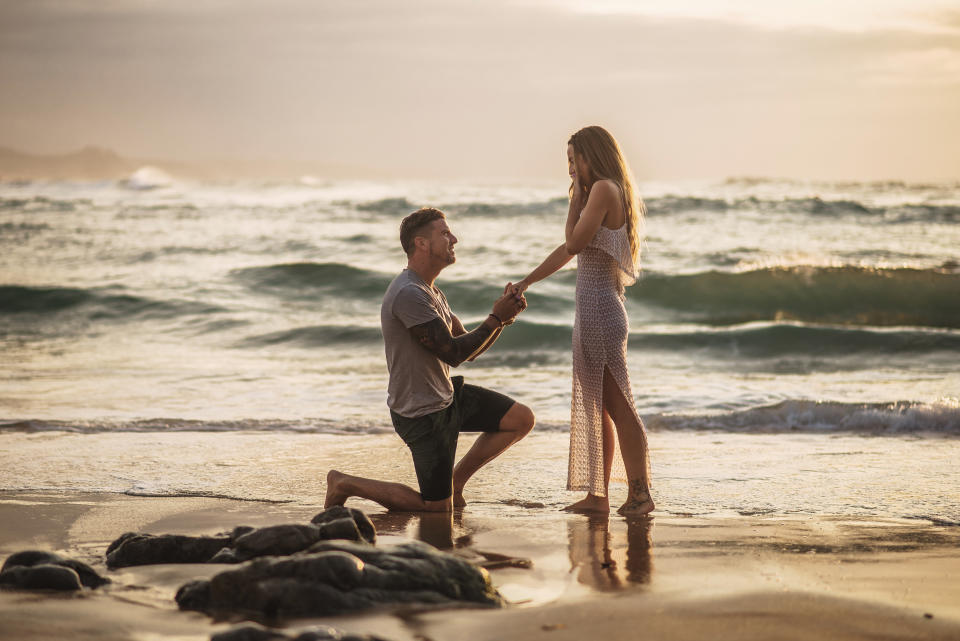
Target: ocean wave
[(393, 206), (798, 416), (402, 207), (97, 303), (812, 206), (310, 281), (837, 295), (673, 204), (779, 339), (912, 206), (300, 426), (522, 336), (146, 178), (24, 227), (529, 343), (154, 254), (306, 280), (803, 416), (843, 185), (317, 336), (42, 203), (847, 295), (551, 206)]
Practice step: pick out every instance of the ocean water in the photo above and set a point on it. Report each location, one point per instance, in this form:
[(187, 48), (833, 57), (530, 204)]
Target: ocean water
[(766, 307)]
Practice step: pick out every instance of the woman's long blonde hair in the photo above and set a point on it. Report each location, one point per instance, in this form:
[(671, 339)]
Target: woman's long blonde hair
[(606, 161)]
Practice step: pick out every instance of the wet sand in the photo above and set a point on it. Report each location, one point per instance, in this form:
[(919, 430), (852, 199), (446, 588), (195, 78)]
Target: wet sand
[(669, 577)]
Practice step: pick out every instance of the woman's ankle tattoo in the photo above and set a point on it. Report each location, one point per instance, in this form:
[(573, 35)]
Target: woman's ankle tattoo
[(639, 489)]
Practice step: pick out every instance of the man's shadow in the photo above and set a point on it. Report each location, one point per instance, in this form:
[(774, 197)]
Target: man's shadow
[(604, 560)]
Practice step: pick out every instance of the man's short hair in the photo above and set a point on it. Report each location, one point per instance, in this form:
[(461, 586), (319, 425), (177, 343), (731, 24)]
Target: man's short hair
[(413, 224)]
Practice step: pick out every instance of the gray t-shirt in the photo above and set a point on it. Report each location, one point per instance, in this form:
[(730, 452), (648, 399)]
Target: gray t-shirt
[(419, 381)]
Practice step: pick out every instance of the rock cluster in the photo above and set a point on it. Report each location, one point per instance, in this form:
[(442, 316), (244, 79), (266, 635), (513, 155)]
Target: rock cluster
[(334, 577), (243, 543), (39, 570), (326, 567)]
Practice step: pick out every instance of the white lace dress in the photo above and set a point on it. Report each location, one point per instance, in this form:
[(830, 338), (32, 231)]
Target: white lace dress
[(600, 330)]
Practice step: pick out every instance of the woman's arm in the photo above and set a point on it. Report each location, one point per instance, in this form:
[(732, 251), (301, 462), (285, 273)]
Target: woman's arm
[(601, 200), (582, 226), (557, 259), (577, 201)]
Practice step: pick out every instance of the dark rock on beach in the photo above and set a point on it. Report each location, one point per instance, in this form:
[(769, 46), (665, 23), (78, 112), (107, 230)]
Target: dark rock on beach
[(252, 632), (330, 518), (149, 549), (341, 576), (282, 540), (41, 577), (39, 570), (417, 566), (243, 543)]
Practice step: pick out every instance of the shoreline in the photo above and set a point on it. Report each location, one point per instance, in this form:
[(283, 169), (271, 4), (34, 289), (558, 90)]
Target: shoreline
[(672, 576)]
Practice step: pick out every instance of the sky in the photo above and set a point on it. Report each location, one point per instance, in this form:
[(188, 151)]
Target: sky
[(450, 89)]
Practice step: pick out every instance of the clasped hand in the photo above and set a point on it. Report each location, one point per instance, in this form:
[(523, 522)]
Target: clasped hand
[(510, 304)]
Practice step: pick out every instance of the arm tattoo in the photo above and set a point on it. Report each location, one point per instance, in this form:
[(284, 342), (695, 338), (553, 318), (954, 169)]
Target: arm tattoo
[(486, 345), (436, 337)]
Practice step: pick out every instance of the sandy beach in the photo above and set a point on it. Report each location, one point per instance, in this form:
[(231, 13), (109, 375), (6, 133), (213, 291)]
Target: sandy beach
[(669, 577)]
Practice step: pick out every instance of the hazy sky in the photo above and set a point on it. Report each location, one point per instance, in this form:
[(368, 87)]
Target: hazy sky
[(840, 89)]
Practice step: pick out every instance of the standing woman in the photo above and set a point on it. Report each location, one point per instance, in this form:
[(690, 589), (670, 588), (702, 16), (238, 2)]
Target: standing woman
[(603, 230)]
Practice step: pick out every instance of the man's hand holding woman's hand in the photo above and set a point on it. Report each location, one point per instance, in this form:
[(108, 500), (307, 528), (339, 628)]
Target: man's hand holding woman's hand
[(517, 288), (508, 306)]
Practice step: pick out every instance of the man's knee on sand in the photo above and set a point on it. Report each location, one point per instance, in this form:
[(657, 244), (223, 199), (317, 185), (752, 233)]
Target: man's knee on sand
[(519, 418)]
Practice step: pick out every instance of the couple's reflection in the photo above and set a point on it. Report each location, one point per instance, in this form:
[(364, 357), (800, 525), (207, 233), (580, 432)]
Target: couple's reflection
[(603, 559)]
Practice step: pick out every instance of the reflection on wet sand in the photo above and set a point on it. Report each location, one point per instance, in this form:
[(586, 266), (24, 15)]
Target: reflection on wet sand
[(444, 531), (436, 528), (603, 560)]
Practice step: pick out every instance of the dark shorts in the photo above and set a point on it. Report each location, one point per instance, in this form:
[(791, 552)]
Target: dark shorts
[(432, 438)]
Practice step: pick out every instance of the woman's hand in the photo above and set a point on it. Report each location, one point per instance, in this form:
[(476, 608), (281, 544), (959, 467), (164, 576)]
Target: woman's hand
[(579, 197), (506, 308), (517, 288)]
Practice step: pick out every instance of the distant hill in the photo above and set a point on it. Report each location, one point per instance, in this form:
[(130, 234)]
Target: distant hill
[(90, 163), (98, 163)]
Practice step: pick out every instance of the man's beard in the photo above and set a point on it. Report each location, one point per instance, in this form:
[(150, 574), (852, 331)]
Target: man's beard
[(447, 255)]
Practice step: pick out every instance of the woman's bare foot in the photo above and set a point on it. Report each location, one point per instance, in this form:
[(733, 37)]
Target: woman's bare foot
[(636, 508), (335, 493), (639, 502), (592, 503), (458, 500)]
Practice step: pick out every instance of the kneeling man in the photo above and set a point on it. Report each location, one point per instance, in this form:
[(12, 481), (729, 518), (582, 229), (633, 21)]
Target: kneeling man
[(423, 339)]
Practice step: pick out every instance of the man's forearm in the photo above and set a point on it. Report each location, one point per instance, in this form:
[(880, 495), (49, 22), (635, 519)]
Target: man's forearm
[(486, 345), (436, 337)]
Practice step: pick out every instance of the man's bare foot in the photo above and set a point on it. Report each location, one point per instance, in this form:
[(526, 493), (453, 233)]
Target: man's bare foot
[(592, 503), (458, 500), (335, 494)]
